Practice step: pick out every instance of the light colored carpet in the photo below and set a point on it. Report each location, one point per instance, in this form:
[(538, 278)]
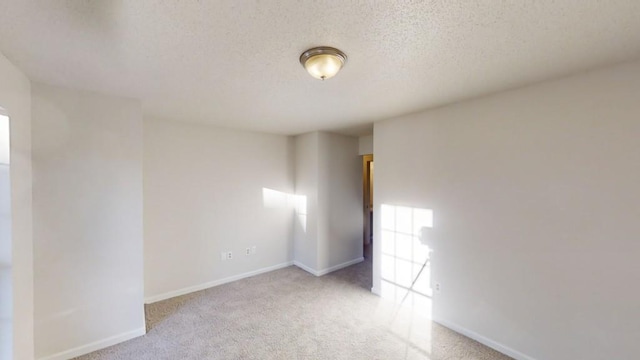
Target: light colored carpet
[(290, 314)]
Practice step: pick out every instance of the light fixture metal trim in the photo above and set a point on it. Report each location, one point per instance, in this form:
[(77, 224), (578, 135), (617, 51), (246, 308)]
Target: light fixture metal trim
[(323, 50)]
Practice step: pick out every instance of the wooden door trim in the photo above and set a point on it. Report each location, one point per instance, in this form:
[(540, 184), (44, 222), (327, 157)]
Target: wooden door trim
[(367, 199)]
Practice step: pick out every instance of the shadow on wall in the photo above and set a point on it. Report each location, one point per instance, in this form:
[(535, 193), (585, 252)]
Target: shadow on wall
[(406, 257), (279, 200)]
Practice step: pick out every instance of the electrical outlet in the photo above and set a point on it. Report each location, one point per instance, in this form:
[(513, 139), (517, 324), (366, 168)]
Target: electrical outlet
[(436, 287), (248, 251), (223, 255), (229, 255)]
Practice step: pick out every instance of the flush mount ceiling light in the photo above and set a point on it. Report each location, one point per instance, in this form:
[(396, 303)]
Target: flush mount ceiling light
[(323, 62)]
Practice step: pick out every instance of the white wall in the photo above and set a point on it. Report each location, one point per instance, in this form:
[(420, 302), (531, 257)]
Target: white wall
[(6, 286), (306, 188), (15, 99), (329, 177), (209, 190), (365, 145), (339, 201), (536, 205), (87, 198)]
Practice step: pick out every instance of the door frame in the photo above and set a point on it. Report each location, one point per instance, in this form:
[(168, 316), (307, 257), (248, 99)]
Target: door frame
[(367, 198)]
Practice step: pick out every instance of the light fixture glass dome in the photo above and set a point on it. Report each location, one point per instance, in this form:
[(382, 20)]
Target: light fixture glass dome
[(323, 62)]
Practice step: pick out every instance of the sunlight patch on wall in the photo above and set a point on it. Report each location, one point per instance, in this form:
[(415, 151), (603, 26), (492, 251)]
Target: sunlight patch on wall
[(4, 140), (405, 257), (301, 211), (6, 283), (274, 199)]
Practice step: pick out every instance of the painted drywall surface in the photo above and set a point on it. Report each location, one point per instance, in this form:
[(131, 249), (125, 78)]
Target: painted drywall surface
[(329, 181), (365, 145), (340, 221), (209, 190), (306, 189), (15, 99), (535, 200), (6, 287), (87, 197)]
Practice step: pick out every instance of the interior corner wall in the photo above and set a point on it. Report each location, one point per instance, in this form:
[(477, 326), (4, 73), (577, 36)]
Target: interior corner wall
[(209, 190), (15, 99), (329, 177), (340, 222), (87, 207), (306, 190), (536, 203)]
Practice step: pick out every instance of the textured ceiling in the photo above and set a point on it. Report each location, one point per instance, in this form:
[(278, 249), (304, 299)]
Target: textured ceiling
[(235, 63)]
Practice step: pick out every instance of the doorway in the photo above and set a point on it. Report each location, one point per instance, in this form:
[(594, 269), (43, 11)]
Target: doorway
[(367, 213)]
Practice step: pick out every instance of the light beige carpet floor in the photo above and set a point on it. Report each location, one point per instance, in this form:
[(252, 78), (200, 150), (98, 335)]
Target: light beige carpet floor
[(290, 314)]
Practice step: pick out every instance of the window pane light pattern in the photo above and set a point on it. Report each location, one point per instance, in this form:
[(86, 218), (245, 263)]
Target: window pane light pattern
[(406, 272)]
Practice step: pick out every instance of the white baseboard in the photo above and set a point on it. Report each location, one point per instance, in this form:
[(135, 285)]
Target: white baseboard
[(96, 345), (484, 340), (340, 266), (327, 270), (376, 291), (305, 268), (190, 289)]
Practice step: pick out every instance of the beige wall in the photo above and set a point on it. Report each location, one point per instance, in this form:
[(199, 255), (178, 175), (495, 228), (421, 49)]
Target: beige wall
[(365, 145), (87, 201), (329, 178), (535, 200), (15, 99), (209, 190), (306, 189), (339, 201)]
